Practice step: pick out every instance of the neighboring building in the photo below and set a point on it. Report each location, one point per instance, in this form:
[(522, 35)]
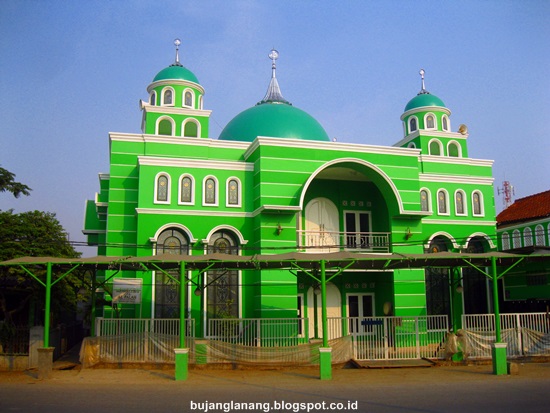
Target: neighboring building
[(274, 182), (524, 227)]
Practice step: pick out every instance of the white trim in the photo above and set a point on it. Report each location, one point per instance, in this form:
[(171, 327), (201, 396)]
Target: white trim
[(455, 179), (456, 161), (438, 142), (426, 109), (434, 127), (193, 189), (169, 82), (163, 93), (201, 213), (239, 192), (429, 199), (464, 203), (216, 191), (191, 120), (168, 188), (480, 235), (525, 223), (174, 110), (458, 222), (447, 203), (481, 204), (183, 104), (175, 225), (444, 234), (231, 228), (195, 163), (453, 142), (409, 130), (430, 133), (159, 120)]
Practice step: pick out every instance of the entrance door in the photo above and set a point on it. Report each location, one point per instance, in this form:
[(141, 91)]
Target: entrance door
[(360, 306), (334, 312), (357, 229), (322, 227)]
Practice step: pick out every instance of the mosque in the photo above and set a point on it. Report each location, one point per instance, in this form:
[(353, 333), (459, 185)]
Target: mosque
[(274, 182)]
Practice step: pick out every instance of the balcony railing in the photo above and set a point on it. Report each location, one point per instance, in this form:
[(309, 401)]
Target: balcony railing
[(328, 241)]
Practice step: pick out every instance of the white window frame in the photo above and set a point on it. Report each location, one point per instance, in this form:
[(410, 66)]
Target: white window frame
[(162, 103), (192, 98), (193, 188), (409, 124), (426, 121), (516, 239), (191, 120), (153, 102), (157, 132), (216, 192), (239, 189), (457, 146), (464, 203), (447, 201), (481, 204), (438, 142), (539, 236), (168, 188), (429, 199), (505, 238), (448, 129)]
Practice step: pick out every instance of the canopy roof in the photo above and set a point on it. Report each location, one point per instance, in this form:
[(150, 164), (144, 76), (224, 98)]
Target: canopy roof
[(312, 261)]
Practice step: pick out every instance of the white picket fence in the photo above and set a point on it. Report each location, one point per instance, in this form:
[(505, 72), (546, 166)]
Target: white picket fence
[(525, 334)]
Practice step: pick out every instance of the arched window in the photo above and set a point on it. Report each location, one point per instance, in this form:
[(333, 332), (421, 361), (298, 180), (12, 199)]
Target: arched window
[(167, 303), (539, 236), (453, 149), (168, 97), (153, 98), (162, 189), (413, 124), (191, 128), (411, 145), (460, 202), (445, 123), (425, 200), (516, 239), (429, 121), (435, 147), (187, 195), (210, 191), (233, 192), (165, 127), (527, 237), (477, 203), (188, 98), (223, 290), (505, 241), (442, 202)]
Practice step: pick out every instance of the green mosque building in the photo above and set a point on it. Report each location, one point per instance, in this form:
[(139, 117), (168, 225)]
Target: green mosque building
[(274, 182)]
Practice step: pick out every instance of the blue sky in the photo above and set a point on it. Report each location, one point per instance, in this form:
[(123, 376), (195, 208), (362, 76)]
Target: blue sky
[(72, 71)]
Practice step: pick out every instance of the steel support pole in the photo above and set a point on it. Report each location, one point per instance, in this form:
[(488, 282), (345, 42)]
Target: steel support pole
[(498, 350), (47, 304), (183, 295), (325, 352)]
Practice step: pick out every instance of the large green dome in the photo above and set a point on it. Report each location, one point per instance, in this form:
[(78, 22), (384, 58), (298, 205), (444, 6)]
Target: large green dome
[(176, 72), (424, 99), (279, 120)]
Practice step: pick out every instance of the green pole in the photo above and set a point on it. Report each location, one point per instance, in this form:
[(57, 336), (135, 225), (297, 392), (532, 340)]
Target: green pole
[(495, 300), (47, 304), (324, 303), (183, 294)]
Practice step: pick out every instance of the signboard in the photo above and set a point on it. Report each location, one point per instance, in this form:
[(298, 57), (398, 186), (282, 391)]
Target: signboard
[(127, 290)]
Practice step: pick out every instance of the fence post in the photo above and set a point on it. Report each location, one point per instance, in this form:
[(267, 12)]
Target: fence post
[(417, 328)]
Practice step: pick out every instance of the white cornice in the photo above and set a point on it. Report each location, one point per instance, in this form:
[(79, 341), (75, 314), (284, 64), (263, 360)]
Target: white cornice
[(456, 161), (456, 179), (491, 223), (430, 134), (331, 146), (524, 224), (172, 110), (426, 109), (194, 212), (277, 208), (196, 163), (172, 82), (177, 140)]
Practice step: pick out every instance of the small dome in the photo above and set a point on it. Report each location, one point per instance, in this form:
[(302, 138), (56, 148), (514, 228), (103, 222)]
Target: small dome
[(176, 72), (424, 99), (279, 120)]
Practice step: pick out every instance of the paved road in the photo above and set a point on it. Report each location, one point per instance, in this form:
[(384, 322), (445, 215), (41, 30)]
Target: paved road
[(437, 389)]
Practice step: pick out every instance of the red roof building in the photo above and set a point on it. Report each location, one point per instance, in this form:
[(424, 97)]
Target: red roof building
[(530, 208)]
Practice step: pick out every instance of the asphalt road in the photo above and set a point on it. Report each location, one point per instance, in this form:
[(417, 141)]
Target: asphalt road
[(436, 389)]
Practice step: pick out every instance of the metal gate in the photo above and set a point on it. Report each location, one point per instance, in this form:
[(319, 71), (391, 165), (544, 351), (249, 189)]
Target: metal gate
[(397, 338)]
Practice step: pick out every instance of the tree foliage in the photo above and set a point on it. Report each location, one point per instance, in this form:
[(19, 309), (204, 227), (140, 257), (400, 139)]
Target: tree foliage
[(8, 183), (33, 233)]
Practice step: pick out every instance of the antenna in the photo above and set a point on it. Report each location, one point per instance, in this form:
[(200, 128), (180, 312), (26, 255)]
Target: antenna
[(508, 193)]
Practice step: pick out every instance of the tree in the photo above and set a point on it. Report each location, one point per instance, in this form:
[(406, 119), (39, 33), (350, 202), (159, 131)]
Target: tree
[(33, 233), (8, 183)]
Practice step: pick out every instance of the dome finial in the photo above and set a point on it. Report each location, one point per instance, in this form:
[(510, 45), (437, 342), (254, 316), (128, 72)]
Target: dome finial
[(177, 43), (423, 90), (273, 94)]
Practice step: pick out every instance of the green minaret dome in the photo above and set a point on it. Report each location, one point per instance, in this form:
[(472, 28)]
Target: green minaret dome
[(176, 72), (424, 99), (273, 117)]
